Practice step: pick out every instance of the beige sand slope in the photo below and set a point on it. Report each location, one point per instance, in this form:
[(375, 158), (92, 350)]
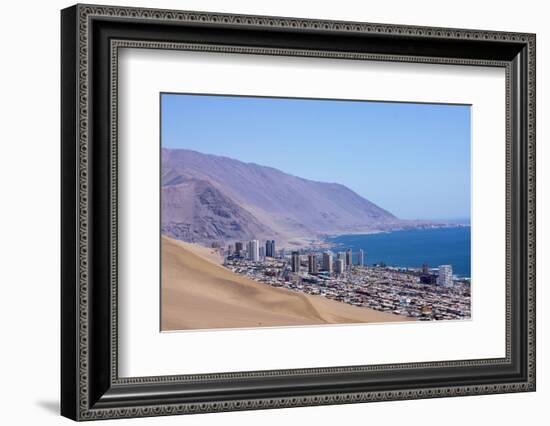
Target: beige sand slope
[(198, 293)]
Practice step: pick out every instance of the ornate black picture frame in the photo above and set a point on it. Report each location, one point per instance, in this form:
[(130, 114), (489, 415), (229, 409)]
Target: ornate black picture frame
[(91, 36)]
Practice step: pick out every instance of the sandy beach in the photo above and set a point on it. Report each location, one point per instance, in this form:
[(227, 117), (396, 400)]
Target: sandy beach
[(199, 293)]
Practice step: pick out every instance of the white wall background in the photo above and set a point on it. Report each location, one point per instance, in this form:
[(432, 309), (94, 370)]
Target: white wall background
[(29, 213)]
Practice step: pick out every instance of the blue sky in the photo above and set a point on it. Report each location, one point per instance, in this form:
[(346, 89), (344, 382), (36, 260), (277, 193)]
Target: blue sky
[(411, 159)]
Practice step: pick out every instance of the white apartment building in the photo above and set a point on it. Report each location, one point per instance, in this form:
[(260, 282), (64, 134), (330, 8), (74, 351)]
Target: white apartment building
[(445, 276), (253, 249)]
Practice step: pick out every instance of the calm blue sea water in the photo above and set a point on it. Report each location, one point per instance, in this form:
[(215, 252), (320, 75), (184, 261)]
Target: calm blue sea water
[(412, 248)]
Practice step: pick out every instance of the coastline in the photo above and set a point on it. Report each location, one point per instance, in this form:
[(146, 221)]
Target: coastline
[(395, 291), (373, 248), (325, 242), (320, 240)]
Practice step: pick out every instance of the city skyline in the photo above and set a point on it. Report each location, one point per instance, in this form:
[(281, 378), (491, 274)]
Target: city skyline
[(257, 251), (302, 137), (421, 293)]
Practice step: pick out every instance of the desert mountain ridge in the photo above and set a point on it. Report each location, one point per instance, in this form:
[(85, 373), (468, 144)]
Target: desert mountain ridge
[(207, 198)]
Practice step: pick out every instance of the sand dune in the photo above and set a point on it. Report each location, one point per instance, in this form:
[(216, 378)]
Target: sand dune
[(199, 293)]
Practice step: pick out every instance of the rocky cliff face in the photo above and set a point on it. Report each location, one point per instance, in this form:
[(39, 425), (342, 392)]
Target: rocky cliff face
[(195, 211), (207, 197)]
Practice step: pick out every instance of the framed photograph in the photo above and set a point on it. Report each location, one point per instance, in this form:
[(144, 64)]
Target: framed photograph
[(263, 212)]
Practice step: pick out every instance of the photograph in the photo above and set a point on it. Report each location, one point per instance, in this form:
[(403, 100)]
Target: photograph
[(280, 212)]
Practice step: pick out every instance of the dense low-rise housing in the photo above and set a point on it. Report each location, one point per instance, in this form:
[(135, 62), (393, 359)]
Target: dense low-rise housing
[(409, 292)]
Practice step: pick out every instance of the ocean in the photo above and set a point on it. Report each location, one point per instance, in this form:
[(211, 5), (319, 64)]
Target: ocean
[(412, 248)]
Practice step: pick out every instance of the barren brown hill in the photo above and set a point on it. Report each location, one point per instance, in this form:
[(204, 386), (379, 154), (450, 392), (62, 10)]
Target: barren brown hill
[(198, 293), (247, 198), (195, 210)]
